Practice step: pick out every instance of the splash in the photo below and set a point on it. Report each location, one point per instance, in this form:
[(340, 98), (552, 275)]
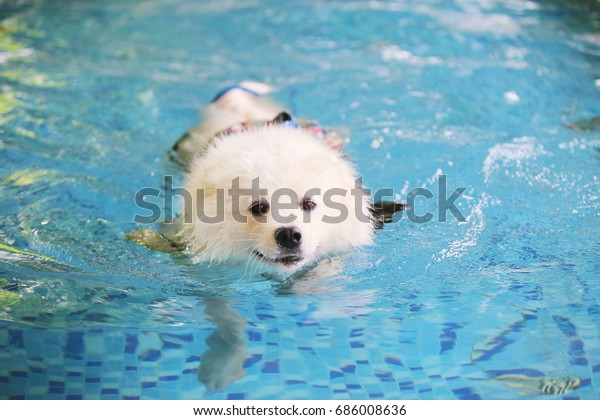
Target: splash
[(507, 154)]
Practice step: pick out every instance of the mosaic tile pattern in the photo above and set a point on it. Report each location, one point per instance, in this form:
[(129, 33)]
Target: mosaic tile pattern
[(293, 358)]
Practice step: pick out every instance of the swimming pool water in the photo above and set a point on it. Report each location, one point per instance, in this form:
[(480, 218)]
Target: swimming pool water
[(500, 96)]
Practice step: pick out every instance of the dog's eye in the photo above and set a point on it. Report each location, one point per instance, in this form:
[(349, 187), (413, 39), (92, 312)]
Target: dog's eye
[(259, 208), (308, 204)]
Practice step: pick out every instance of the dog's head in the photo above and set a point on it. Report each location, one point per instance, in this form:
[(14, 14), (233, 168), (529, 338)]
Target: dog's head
[(275, 196)]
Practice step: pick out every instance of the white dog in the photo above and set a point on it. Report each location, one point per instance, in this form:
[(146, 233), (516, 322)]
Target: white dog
[(266, 189)]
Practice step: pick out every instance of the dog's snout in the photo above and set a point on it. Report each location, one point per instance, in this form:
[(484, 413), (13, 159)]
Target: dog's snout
[(288, 237)]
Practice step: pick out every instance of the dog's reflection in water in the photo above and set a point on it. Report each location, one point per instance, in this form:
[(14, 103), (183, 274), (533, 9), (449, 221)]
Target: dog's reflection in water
[(222, 363)]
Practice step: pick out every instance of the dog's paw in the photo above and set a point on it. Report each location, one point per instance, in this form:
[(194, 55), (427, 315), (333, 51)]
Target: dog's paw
[(154, 241)]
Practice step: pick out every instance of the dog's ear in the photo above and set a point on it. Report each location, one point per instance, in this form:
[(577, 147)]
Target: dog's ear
[(281, 118), (383, 212)]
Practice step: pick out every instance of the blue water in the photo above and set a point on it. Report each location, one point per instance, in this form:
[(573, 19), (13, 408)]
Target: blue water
[(500, 96)]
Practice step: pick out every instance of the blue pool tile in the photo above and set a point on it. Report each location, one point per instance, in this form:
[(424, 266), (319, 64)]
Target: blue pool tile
[(131, 343), (254, 336), (169, 378), (306, 348), (448, 336), (236, 396), (334, 374), (406, 386), (150, 355), (15, 338), (393, 361), (56, 383), (184, 338), (466, 394), (167, 345), (308, 323), (414, 307), (74, 374), (348, 368), (36, 369), (74, 344), (271, 366), (384, 376), (340, 392), (294, 382), (193, 359), (356, 332), (74, 397), (19, 374), (109, 391), (252, 360)]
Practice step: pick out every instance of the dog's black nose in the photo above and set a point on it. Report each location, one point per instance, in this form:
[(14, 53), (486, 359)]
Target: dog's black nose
[(288, 237)]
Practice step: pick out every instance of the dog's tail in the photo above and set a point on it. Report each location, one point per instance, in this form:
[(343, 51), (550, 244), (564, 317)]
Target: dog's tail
[(257, 87), (241, 103), (252, 87)]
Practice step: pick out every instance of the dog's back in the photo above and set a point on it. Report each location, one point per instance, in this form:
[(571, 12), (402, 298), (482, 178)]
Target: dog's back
[(242, 103)]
